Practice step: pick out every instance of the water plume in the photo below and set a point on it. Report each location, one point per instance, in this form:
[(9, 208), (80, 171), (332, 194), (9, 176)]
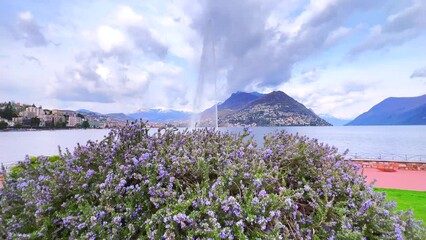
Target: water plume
[(206, 75)]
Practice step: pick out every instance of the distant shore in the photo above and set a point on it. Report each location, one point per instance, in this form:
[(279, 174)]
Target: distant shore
[(44, 129)]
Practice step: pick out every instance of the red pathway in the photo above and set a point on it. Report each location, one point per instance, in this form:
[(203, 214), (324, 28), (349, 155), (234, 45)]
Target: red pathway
[(401, 179)]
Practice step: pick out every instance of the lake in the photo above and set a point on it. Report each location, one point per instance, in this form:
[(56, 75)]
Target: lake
[(406, 143)]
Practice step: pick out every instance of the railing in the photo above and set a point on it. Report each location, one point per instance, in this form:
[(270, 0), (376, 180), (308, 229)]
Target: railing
[(388, 157)]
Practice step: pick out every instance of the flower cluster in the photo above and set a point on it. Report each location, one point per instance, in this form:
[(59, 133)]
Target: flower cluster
[(198, 184)]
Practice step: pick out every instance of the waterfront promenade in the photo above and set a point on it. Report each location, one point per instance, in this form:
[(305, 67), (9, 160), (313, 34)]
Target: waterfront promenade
[(400, 179)]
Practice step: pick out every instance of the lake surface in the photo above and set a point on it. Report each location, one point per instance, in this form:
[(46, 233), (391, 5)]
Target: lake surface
[(15, 145), (407, 143)]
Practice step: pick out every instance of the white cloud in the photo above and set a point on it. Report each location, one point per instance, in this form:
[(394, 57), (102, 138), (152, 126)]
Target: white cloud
[(25, 16), (125, 15), (29, 30), (110, 38), (399, 28), (337, 35), (103, 71)]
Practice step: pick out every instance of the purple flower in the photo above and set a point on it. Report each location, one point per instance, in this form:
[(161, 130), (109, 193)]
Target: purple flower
[(288, 202), (117, 220), (135, 161), (145, 156), (307, 188), (257, 182), (365, 206), (263, 193), (90, 173), (81, 226), (181, 219), (398, 233)]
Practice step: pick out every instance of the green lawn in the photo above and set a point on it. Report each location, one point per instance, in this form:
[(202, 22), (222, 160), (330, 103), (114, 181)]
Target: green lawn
[(414, 200)]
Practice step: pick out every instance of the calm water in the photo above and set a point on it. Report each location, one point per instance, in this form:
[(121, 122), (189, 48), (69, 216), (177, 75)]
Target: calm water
[(406, 143), (386, 142), (14, 146)]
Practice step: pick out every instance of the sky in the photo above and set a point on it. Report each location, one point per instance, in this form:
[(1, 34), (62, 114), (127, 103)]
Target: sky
[(337, 57)]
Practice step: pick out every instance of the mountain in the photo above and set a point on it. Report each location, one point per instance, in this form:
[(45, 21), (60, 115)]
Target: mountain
[(239, 99), (120, 116), (235, 102), (395, 111), (85, 111), (333, 120), (157, 115), (273, 109)]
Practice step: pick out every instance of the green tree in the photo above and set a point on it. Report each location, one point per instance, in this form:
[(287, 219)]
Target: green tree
[(35, 122), (85, 124), (3, 125), (9, 112), (60, 124)]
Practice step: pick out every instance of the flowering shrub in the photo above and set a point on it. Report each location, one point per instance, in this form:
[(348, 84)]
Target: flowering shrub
[(197, 184)]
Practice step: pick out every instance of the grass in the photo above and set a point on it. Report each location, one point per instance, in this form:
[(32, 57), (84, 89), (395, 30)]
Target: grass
[(406, 199)]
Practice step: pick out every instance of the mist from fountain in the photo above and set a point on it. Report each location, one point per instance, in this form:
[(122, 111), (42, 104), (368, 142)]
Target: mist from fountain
[(206, 75)]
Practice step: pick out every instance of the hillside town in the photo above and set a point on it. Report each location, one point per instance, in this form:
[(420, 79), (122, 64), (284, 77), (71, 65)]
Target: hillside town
[(17, 115)]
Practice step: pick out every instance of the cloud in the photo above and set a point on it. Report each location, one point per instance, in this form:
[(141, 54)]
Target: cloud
[(110, 38), (144, 40), (127, 39), (109, 81), (400, 27), (34, 59), (30, 31), (80, 83), (257, 54), (419, 73), (140, 33)]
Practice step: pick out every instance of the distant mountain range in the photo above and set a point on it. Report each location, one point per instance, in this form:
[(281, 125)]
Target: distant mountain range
[(395, 111), (279, 109), (240, 109), (333, 120), (163, 116)]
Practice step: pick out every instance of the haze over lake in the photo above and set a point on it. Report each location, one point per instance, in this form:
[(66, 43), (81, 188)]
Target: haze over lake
[(386, 142)]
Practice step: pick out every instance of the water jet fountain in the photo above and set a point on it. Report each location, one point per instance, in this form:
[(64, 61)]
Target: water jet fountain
[(206, 75)]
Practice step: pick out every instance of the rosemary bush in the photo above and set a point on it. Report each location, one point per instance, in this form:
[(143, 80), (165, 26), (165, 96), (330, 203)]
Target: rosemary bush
[(197, 184)]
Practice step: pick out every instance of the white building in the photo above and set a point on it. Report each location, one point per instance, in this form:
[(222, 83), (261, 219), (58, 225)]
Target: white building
[(31, 112), (17, 120), (74, 120), (9, 123), (38, 111)]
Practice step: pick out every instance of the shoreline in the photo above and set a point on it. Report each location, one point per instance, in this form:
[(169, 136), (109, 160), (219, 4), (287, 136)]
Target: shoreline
[(46, 129)]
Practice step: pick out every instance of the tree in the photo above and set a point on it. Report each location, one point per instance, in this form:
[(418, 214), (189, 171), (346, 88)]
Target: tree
[(60, 124), (85, 124), (35, 122), (8, 112), (3, 125)]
